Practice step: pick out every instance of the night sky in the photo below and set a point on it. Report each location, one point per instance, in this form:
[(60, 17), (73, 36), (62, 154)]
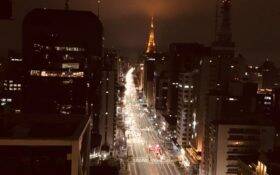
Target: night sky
[(256, 24)]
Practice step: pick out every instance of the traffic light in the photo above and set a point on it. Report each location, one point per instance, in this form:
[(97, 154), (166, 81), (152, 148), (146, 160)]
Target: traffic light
[(5, 9)]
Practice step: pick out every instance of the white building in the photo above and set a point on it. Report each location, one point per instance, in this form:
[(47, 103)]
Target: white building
[(230, 142), (186, 123)]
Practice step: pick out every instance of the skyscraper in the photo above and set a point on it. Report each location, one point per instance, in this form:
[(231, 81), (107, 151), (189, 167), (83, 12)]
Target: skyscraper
[(62, 52), (11, 83), (215, 71), (223, 32), (107, 119)]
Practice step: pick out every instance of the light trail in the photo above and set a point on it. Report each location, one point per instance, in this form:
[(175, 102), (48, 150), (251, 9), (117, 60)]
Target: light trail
[(140, 134)]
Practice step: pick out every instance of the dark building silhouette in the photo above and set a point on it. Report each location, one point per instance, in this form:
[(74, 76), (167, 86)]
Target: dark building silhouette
[(62, 53), (11, 83), (107, 119), (183, 94), (184, 57), (6, 9), (269, 75)]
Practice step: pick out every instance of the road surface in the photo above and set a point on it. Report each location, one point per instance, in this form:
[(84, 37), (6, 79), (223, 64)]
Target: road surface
[(148, 156)]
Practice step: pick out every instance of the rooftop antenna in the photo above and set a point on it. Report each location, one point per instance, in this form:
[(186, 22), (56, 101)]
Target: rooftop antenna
[(98, 7)]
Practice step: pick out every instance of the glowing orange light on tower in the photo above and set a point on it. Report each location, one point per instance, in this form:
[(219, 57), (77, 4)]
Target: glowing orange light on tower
[(151, 48)]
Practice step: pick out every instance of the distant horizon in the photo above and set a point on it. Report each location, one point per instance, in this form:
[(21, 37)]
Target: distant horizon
[(126, 27)]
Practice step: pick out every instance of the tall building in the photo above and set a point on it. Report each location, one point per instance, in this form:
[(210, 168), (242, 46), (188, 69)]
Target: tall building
[(253, 74), (62, 52), (107, 119), (44, 144), (265, 102), (269, 75), (238, 108), (223, 31), (217, 70), (11, 83), (186, 123), (184, 57), (234, 141), (161, 92), (150, 57)]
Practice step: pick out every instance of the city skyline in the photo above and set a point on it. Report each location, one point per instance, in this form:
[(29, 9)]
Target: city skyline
[(256, 45), (151, 87)]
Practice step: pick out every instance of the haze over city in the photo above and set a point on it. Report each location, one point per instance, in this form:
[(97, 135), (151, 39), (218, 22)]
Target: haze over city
[(139, 87), (255, 25)]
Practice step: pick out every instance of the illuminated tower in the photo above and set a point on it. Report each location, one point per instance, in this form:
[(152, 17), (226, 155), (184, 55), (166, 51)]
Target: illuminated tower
[(151, 47), (223, 32)]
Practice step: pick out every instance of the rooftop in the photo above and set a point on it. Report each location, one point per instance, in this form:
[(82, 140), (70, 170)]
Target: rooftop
[(23, 126)]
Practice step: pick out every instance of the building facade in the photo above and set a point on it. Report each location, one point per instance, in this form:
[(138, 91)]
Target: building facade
[(62, 53), (186, 110), (12, 83), (231, 142), (107, 119)]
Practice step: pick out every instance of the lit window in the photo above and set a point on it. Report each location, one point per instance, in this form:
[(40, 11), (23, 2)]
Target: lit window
[(69, 49), (267, 98), (63, 74), (232, 99)]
